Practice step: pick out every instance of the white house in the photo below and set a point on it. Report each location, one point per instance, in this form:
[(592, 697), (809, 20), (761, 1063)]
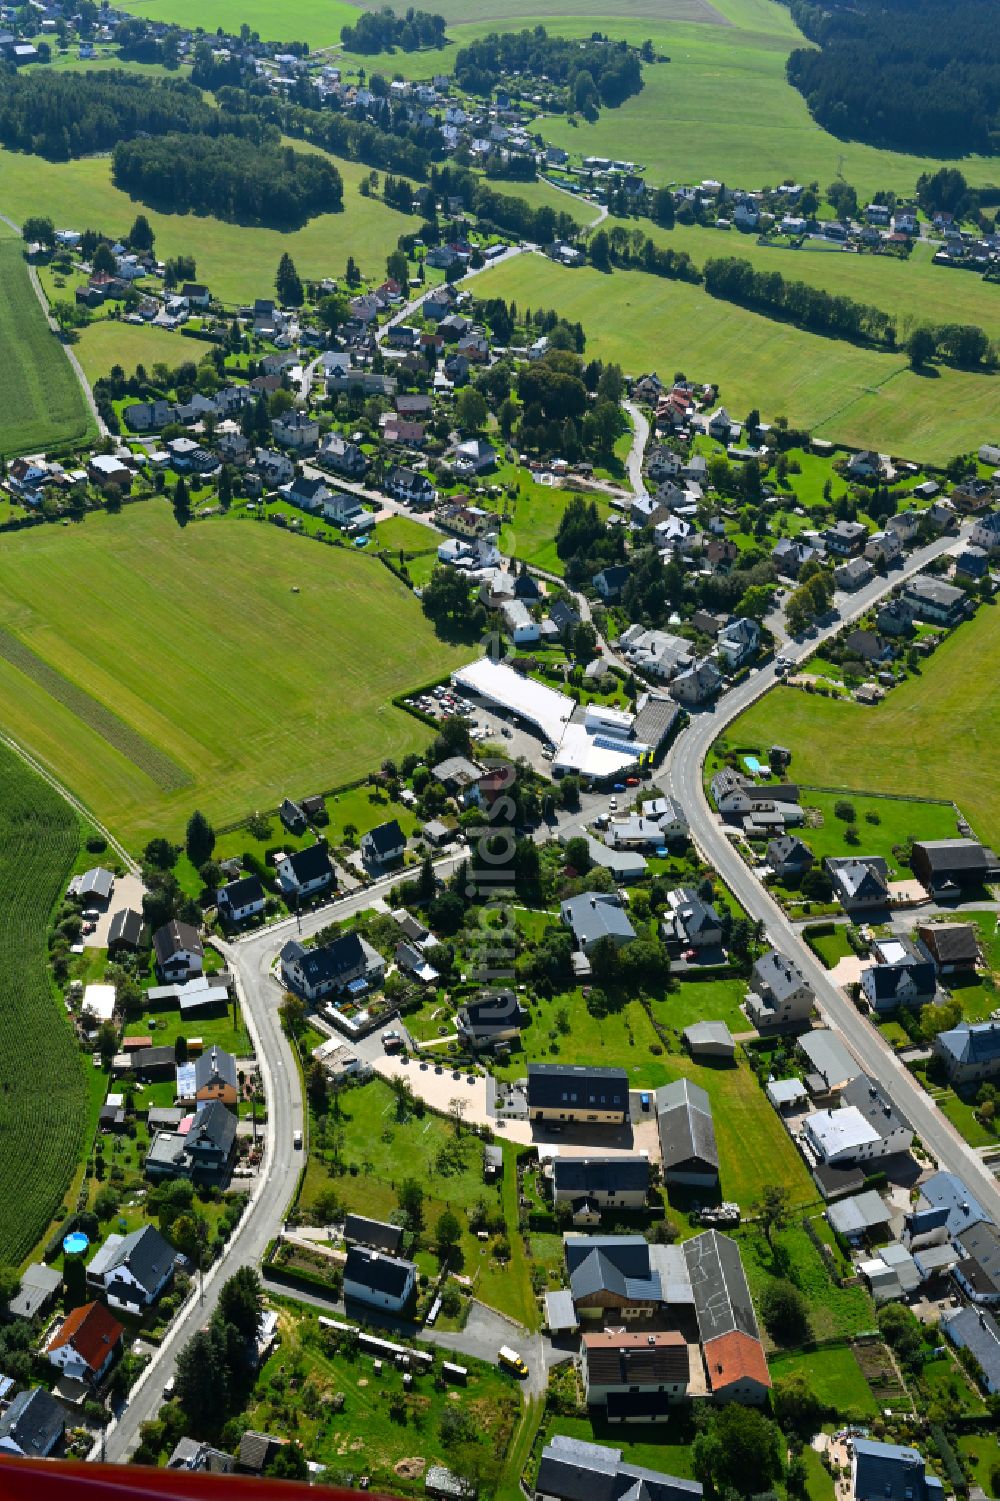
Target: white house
[(86, 1343), (304, 872), (378, 1280)]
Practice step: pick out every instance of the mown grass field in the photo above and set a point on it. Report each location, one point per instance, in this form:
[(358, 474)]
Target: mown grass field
[(43, 1098), (723, 108), (229, 689), (838, 390), (913, 291), (108, 342), (934, 736), (40, 398), (294, 21), (237, 263)]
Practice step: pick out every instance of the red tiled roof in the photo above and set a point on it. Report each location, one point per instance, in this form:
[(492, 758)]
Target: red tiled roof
[(735, 1357), (92, 1331)]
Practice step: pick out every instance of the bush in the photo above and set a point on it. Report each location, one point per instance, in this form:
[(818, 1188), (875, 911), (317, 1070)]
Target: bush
[(845, 810)]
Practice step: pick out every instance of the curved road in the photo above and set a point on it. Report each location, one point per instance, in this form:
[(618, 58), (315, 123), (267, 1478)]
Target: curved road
[(682, 777)]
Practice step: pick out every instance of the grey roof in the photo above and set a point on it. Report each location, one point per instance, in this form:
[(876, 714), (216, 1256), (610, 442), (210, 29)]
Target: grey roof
[(96, 883), (376, 1270), (145, 1252), (214, 1126), (788, 849), (559, 1311), (777, 976), (596, 1088), (126, 927), (33, 1423), (497, 1012), (174, 938), (945, 1199), (721, 1296), (859, 878), (978, 1331), (829, 1057), (619, 1263), (215, 1064), (595, 915), (711, 1035), (687, 1134), (574, 1470), (38, 1284), (981, 1244), (378, 1233), (953, 854), (868, 1096), (624, 1174), (386, 838), (242, 892), (890, 1472), (976, 1044), (853, 1216)]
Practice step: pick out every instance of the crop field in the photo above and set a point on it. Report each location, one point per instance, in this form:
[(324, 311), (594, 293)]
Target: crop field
[(43, 1099), (40, 399), (838, 390), (934, 736), (236, 263), (216, 704)]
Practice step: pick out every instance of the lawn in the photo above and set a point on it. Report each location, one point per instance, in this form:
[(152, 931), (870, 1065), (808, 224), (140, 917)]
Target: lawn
[(562, 1029), (377, 1151), (289, 694), (43, 1099), (663, 1446), (832, 947), (364, 1437), (935, 734), (237, 263), (40, 398), (107, 342), (834, 1376), (837, 390), (532, 520), (982, 1450), (703, 1000), (897, 821), (834, 1312)]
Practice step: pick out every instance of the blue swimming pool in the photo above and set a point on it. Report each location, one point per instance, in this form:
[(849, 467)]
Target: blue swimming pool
[(753, 765)]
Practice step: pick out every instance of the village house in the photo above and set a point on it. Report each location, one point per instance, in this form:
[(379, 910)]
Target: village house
[(779, 993), (305, 872), (687, 1135), (902, 974), (571, 1092), (179, 951), (86, 1343)]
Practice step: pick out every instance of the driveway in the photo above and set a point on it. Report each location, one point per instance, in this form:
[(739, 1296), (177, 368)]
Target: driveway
[(128, 892)]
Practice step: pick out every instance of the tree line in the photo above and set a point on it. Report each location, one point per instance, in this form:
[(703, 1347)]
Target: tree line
[(357, 140), (598, 71), (891, 74), (382, 30), (632, 250), (808, 307), (63, 115), (232, 179)]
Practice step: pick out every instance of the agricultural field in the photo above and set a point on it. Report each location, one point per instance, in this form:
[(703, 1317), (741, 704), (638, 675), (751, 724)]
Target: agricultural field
[(123, 603), (295, 21), (841, 391), (236, 263), (390, 1435), (43, 1102), (934, 735), (40, 398)]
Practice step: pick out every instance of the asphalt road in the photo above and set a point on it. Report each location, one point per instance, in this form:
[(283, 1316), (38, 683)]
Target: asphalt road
[(681, 776), (251, 960)]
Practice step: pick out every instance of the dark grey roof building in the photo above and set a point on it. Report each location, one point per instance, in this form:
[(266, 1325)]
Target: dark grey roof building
[(377, 1233), (33, 1425), (574, 1470), (722, 1299), (687, 1134), (563, 1091), (977, 1331)]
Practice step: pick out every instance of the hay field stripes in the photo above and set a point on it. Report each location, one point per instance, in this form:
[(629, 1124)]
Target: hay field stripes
[(158, 766)]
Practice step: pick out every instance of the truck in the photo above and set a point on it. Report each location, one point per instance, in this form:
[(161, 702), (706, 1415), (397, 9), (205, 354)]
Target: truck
[(511, 1361)]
